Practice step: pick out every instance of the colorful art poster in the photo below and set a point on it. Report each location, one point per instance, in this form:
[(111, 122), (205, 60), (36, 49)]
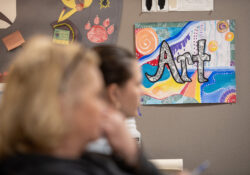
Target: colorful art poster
[(187, 62)]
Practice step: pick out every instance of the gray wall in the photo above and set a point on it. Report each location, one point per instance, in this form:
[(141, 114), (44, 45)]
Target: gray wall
[(219, 133)]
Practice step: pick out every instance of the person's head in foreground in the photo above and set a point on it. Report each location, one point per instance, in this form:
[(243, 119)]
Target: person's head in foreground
[(52, 107), (122, 77), (52, 103)]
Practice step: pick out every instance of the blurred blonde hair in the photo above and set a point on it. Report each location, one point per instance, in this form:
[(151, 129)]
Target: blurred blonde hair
[(30, 116)]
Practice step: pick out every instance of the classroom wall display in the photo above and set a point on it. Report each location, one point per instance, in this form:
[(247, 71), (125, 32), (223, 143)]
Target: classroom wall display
[(7, 13), (99, 26), (177, 5), (187, 62), (91, 22)]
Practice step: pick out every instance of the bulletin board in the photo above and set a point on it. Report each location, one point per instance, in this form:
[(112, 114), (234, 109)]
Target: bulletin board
[(91, 23)]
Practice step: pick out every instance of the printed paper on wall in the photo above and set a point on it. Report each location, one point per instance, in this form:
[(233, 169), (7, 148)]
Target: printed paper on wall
[(191, 5), (7, 13), (177, 5)]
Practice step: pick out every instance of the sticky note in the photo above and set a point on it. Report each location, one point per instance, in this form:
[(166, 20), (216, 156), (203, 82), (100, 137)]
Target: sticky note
[(13, 40)]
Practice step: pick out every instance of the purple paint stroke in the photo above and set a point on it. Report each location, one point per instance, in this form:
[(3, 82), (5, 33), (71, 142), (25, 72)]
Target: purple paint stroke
[(174, 48), (232, 63), (224, 96)]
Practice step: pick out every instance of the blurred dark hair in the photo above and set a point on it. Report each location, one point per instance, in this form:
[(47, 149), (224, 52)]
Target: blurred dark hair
[(115, 64)]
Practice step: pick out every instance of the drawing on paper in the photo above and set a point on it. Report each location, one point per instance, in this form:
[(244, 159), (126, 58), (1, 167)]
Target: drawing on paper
[(187, 62), (154, 5), (104, 4), (99, 33), (65, 32)]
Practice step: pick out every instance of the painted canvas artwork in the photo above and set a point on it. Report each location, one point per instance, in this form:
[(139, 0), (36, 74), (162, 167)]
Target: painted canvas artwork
[(187, 62)]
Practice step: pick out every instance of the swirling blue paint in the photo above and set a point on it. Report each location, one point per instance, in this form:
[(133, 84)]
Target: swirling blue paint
[(219, 80), (173, 31), (218, 84), (173, 38)]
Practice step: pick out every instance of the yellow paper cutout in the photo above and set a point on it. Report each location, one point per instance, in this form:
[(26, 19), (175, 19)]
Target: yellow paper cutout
[(74, 8)]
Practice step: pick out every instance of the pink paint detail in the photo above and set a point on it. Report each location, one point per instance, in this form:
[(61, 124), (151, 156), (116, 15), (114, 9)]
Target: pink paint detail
[(106, 22), (138, 54), (97, 20), (79, 7), (110, 29), (87, 26), (137, 30), (97, 34)]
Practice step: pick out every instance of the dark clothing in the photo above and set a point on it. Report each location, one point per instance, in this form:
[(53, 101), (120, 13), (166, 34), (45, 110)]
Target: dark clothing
[(89, 164)]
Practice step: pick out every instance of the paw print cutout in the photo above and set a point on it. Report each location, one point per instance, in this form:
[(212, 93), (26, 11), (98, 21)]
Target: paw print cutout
[(99, 33)]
